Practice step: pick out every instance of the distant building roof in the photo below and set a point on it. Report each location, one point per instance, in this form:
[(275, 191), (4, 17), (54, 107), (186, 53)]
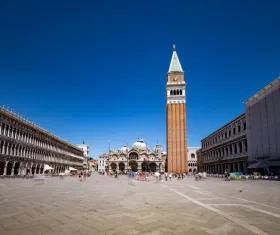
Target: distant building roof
[(263, 91)]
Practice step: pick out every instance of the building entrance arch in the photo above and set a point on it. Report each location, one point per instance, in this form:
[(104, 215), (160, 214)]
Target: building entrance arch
[(16, 170), (145, 166), (38, 169), (121, 166), (190, 170), (33, 170), (153, 167), (9, 168), (113, 166), (133, 165), (2, 167)]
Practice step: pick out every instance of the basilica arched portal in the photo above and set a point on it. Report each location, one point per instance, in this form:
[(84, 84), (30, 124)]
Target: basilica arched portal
[(153, 167), (121, 166), (113, 166), (133, 165), (145, 166)]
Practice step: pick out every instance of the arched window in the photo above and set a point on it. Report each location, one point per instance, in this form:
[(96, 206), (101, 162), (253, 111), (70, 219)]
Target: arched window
[(192, 155), (171, 92), (177, 92), (180, 92)]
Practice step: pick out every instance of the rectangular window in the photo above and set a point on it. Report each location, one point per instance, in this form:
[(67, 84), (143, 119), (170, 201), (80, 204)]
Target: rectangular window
[(234, 131), (239, 128), (229, 133), (244, 125)]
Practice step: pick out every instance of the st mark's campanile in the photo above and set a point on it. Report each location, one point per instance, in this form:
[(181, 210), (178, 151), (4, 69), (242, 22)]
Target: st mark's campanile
[(176, 131)]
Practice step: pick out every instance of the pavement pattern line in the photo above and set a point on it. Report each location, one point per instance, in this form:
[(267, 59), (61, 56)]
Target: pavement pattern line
[(213, 198), (207, 194), (237, 221), (250, 207), (245, 200), (277, 208), (192, 187)]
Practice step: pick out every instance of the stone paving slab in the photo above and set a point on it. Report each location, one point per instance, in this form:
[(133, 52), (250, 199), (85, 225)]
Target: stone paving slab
[(104, 205)]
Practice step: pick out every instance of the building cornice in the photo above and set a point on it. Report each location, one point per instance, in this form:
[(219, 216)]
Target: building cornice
[(224, 126), (262, 91), (224, 143), (32, 125)]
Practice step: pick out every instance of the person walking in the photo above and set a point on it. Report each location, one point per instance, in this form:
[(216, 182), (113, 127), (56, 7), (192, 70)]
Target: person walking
[(166, 176), (81, 176), (170, 176), (84, 176)]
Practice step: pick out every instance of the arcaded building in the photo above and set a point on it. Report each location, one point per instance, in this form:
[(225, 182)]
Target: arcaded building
[(26, 148), (263, 133), (226, 149), (138, 159)]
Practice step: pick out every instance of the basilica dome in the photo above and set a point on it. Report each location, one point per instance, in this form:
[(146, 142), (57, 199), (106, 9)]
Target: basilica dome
[(124, 149), (139, 144)]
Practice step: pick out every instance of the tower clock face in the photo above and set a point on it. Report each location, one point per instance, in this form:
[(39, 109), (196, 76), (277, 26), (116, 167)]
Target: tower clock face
[(175, 78)]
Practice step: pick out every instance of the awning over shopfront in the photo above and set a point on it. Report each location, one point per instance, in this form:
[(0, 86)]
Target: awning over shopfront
[(72, 169), (47, 168), (259, 164)]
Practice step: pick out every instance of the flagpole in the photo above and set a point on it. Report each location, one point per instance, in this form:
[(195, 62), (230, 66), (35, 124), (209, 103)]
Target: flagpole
[(109, 158)]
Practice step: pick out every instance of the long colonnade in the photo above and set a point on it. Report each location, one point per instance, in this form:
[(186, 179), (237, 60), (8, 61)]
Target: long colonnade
[(226, 149), (26, 148)]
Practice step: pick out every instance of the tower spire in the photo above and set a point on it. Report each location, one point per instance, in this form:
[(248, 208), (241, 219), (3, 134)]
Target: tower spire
[(175, 65)]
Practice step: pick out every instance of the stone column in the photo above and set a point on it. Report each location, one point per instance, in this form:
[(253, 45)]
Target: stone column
[(238, 167), (229, 167), (238, 149), (243, 146), (5, 168), (13, 168), (244, 168)]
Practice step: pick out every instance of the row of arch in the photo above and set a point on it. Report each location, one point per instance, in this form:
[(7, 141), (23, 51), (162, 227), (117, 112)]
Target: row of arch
[(176, 92), (17, 150), (24, 168), (232, 149), (192, 164), (236, 128), (27, 135), (133, 166)]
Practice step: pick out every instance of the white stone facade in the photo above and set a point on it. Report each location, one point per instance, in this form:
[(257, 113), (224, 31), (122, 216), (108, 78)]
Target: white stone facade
[(192, 159), (85, 149), (26, 148), (226, 148), (102, 163), (139, 158)]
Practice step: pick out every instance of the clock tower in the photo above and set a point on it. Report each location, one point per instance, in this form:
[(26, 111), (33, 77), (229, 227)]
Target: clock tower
[(176, 131)]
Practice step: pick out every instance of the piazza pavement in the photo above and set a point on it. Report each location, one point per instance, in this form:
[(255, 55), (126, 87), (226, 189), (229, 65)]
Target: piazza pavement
[(105, 205)]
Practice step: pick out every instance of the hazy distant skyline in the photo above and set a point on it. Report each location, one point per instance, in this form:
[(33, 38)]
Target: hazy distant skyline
[(96, 71)]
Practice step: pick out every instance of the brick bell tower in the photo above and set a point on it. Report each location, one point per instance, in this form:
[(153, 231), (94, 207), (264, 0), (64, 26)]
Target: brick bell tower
[(176, 131)]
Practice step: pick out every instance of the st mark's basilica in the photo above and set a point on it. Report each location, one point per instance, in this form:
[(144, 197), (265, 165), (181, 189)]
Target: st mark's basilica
[(138, 158)]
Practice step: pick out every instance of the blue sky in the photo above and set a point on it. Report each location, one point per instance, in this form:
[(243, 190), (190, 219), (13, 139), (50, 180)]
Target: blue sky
[(96, 70)]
